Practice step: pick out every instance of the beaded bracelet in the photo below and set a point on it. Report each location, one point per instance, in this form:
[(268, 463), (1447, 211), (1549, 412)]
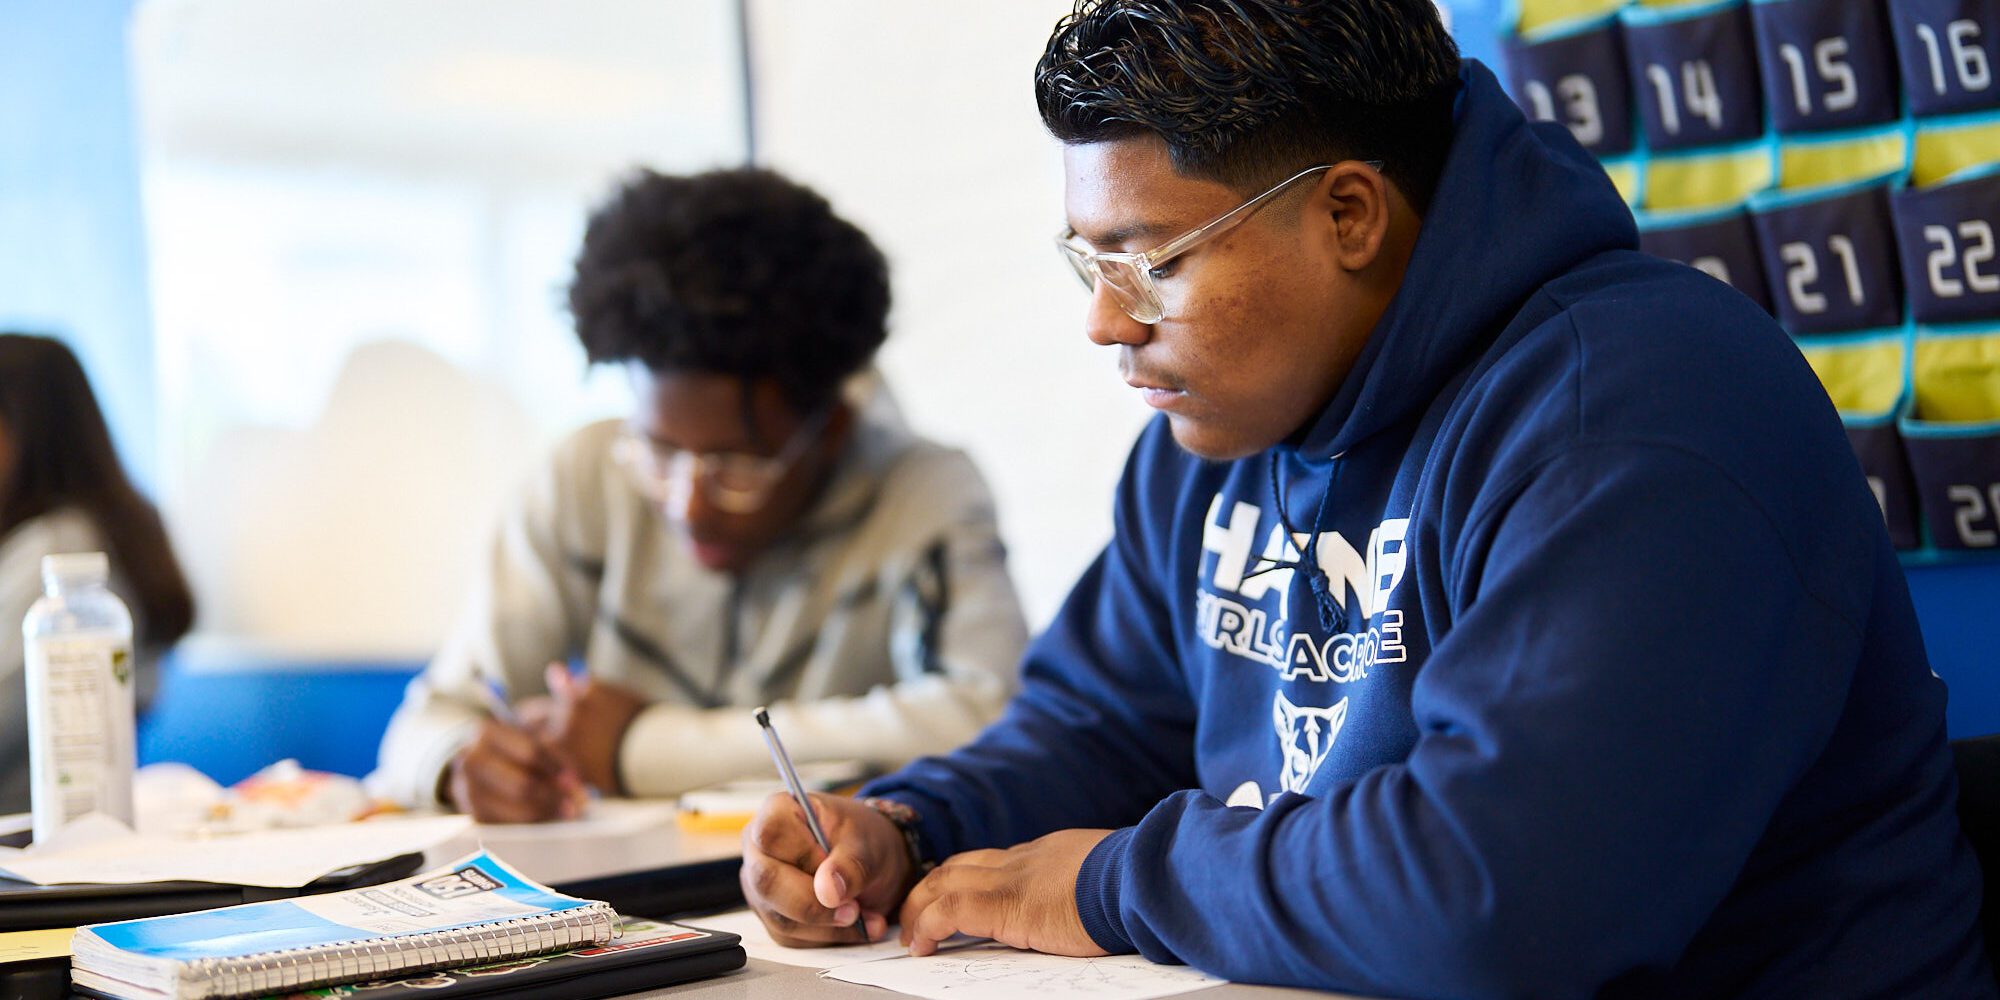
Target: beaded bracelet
[(906, 820)]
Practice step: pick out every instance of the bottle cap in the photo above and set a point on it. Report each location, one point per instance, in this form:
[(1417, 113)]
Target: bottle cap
[(73, 568)]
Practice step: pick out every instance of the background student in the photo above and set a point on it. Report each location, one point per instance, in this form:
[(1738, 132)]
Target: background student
[(762, 530), (62, 489)]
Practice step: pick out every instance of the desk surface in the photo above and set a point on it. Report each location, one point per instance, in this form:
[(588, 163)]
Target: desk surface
[(621, 836), (760, 979)]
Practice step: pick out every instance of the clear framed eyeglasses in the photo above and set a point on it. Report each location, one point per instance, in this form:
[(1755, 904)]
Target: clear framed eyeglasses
[(1130, 276), (733, 482)]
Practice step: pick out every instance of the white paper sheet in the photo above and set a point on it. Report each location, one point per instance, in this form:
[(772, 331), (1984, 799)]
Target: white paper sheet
[(276, 858), (757, 943), (602, 818), (997, 972)]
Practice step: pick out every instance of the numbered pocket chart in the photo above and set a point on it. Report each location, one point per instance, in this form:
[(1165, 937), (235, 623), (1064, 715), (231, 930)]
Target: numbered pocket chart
[(1693, 70), (1953, 435), (1866, 375), (1832, 89), (1947, 50), (1574, 73), (1947, 237), (1838, 162), (1720, 242), (1827, 64), (1830, 256)]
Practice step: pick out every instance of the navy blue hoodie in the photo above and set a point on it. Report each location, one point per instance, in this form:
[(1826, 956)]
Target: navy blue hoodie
[(1616, 690)]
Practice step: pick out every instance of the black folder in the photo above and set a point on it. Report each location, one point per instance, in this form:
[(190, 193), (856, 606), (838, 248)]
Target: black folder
[(25, 906)]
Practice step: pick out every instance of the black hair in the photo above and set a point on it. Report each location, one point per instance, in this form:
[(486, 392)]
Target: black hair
[(1248, 92), (64, 458), (735, 272)]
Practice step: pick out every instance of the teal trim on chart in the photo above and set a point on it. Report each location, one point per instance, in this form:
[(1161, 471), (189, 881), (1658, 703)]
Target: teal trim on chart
[(1681, 218), (1647, 17), (1636, 159), (1976, 172), (1767, 142), (1853, 338), (1954, 331), (1559, 30), (1964, 119), (1912, 427), (1764, 201), (1859, 133)]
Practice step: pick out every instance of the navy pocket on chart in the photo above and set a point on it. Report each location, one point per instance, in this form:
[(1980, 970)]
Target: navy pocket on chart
[(1827, 64), (1953, 434), (1720, 243), (1957, 472), (1947, 50), (1948, 237), (1694, 74), (1575, 76), (1830, 257)]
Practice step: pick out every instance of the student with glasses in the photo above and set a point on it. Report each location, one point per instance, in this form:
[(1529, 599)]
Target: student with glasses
[(762, 530), (1492, 610)]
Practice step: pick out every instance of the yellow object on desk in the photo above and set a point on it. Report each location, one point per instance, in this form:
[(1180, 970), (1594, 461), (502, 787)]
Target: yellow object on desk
[(34, 946), (730, 806)]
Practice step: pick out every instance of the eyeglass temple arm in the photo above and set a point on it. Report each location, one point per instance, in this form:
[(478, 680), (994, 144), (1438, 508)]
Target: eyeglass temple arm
[(1180, 244)]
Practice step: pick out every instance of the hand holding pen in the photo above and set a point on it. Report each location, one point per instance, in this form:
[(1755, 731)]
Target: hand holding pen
[(819, 868), (511, 773)]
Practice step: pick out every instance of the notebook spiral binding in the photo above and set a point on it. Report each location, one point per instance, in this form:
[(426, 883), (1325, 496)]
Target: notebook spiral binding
[(402, 955)]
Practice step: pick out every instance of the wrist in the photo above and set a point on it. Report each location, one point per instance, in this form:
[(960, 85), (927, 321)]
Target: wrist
[(905, 820)]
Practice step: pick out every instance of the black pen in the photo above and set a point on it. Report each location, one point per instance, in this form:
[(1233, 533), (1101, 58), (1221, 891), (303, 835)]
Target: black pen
[(798, 789)]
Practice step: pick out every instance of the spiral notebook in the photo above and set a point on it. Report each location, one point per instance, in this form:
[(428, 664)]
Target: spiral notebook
[(476, 910)]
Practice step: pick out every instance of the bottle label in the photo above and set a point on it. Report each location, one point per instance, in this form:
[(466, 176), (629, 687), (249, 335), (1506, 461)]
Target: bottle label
[(84, 755)]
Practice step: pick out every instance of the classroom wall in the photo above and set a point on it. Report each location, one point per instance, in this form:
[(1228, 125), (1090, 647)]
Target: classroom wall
[(919, 122), (72, 249)]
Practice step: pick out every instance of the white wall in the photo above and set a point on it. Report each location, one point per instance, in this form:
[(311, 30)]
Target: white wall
[(917, 119), (360, 239), (362, 215)]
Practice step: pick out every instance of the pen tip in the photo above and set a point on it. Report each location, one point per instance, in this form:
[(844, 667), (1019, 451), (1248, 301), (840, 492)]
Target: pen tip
[(763, 717)]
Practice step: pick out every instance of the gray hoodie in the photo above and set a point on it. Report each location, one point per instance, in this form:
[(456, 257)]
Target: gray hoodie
[(882, 627)]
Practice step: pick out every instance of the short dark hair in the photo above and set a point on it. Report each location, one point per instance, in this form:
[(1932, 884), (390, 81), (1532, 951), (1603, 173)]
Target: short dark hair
[(1248, 92), (65, 460), (735, 272)]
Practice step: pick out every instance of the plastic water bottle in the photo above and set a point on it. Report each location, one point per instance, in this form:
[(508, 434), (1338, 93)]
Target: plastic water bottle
[(78, 639)]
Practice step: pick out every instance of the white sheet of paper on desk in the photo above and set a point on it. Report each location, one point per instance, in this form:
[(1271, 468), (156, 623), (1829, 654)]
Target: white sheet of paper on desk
[(603, 818), (275, 858), (757, 943), (997, 972)]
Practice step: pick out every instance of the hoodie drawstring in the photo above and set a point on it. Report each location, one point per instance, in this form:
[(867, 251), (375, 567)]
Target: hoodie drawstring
[(1332, 615)]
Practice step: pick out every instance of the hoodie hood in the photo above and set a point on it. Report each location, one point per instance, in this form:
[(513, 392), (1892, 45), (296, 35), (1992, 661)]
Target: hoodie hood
[(1517, 204)]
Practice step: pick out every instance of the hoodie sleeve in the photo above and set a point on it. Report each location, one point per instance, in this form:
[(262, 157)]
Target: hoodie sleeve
[(527, 609), (1103, 727), (1635, 675)]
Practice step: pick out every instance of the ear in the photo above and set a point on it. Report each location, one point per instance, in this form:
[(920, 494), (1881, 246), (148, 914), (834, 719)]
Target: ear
[(1282, 711), (1355, 197)]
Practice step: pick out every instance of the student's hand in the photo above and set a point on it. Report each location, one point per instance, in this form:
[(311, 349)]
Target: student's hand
[(1023, 896), (586, 725), (508, 775), (807, 897)]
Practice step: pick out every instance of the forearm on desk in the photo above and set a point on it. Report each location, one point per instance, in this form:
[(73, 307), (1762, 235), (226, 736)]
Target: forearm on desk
[(670, 749)]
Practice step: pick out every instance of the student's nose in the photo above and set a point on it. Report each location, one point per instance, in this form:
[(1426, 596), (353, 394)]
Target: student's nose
[(697, 510), (1107, 324)]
